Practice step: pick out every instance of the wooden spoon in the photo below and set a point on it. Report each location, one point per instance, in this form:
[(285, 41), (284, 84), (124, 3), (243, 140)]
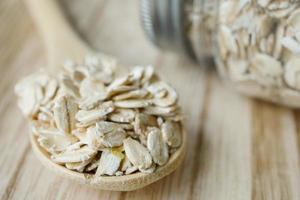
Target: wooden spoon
[(61, 43)]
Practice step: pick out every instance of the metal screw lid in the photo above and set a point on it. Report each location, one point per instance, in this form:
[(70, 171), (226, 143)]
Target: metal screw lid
[(165, 24)]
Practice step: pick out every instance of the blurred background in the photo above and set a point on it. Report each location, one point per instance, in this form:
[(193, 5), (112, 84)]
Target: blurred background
[(238, 148)]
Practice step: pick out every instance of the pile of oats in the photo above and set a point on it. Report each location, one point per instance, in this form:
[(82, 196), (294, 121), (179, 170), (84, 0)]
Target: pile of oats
[(259, 44), (92, 121)]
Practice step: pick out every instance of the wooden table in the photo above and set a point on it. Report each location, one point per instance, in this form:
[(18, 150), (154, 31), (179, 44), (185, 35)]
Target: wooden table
[(238, 148)]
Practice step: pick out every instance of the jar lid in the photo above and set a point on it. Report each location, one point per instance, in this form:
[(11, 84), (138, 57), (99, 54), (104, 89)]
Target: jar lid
[(165, 24)]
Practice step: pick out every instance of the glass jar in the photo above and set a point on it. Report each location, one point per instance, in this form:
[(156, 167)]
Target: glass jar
[(254, 43)]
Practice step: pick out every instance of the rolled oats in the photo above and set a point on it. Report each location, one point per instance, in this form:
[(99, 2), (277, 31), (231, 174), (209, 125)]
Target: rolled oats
[(134, 94), (133, 103), (109, 163), (92, 122), (171, 133), (92, 165), (137, 154), (114, 138), (69, 87), (86, 116), (157, 147), (122, 115), (64, 111), (79, 155), (258, 42), (78, 166), (54, 141)]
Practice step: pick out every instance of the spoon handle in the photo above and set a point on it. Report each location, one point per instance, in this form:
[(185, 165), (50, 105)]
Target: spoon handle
[(61, 41)]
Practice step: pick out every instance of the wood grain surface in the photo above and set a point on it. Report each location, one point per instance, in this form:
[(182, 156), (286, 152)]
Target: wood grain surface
[(238, 148)]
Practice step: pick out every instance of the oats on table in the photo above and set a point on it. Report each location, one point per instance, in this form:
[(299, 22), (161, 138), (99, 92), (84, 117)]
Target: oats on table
[(91, 120)]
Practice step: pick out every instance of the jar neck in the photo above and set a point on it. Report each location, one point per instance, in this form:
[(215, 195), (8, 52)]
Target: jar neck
[(181, 26), (165, 24)]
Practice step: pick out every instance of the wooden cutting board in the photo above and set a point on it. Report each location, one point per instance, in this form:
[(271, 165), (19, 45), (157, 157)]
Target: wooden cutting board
[(238, 148)]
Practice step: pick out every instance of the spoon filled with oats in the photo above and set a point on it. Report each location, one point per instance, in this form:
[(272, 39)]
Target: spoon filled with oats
[(90, 122)]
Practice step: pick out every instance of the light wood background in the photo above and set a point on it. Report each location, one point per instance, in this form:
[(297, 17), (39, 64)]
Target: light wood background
[(238, 148)]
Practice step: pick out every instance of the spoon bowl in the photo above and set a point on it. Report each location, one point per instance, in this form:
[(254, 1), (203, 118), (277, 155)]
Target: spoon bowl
[(114, 183), (63, 43)]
